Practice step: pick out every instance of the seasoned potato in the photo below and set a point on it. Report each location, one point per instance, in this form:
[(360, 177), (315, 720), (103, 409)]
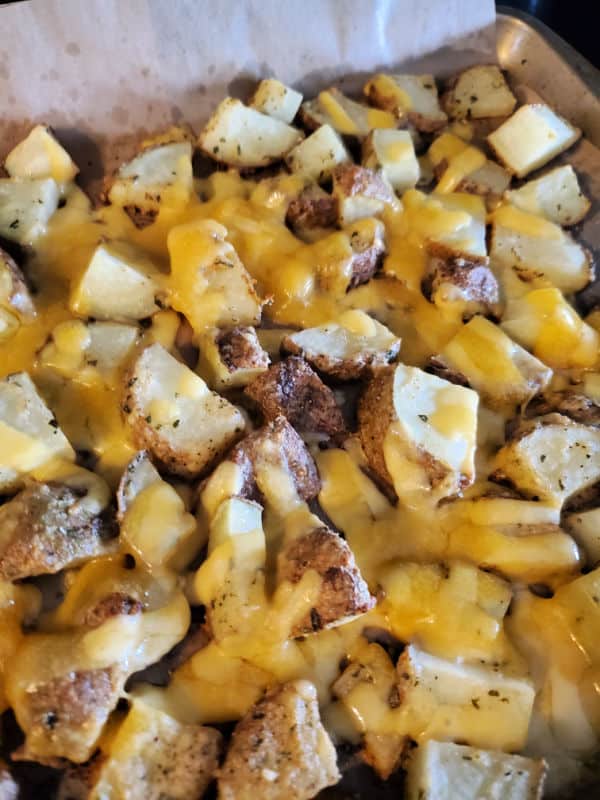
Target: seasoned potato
[(531, 137), (231, 358), (280, 749), (412, 98), (40, 155), (467, 288), (26, 206), (14, 294), (412, 435), (311, 212), (459, 166), (175, 416), (243, 137), (346, 116), (584, 526), (577, 407), (477, 93), (317, 156), (351, 347), (276, 100), (360, 193), (555, 196), (392, 152)]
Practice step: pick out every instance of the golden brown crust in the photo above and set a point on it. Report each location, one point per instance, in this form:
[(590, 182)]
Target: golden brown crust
[(313, 209), (352, 179), (239, 349), (577, 407), (375, 415), (389, 102), (361, 365), (366, 261), (475, 284)]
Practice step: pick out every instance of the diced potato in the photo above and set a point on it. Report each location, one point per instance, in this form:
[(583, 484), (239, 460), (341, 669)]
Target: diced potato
[(243, 137), (352, 347), (551, 457), (346, 116), (311, 213), (531, 137), (555, 196), (459, 166), (175, 416), (477, 93), (231, 358), (545, 323), (412, 98), (26, 207), (502, 372), (585, 529), (160, 176), (29, 433), (40, 155), (418, 433), (208, 282), (139, 474), (460, 287), (538, 251), (119, 283), (446, 771), (474, 704), (392, 152), (317, 156), (359, 193), (276, 100), (14, 294)]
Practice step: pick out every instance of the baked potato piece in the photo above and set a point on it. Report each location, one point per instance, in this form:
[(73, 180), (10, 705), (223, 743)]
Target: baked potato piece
[(343, 593), (502, 372), (14, 294), (464, 287), (26, 206), (444, 771), (151, 757), (538, 251), (317, 156), (462, 167), (230, 358), (473, 704), (556, 196), (139, 474), (276, 100), (360, 192), (478, 93), (9, 788), (311, 213), (584, 527), (392, 153), (413, 436), (242, 137), (577, 407), (367, 243), (40, 155), (531, 137), (346, 116), (174, 415), (551, 458), (412, 98), (292, 389), (280, 749), (29, 433), (351, 347)]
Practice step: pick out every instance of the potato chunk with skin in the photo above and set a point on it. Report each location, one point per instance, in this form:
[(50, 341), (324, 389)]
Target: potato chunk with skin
[(418, 433), (175, 416), (531, 137), (412, 98), (551, 457), (317, 156), (293, 389), (311, 212), (446, 771), (465, 287), (556, 195), (477, 93), (584, 526), (346, 116), (353, 346), (231, 358), (360, 192), (243, 137), (26, 206), (40, 155), (14, 294), (393, 153), (280, 749), (459, 166), (276, 100)]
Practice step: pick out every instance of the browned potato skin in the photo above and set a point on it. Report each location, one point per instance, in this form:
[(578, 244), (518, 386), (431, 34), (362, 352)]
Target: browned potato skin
[(352, 179), (361, 366), (48, 532), (292, 389), (238, 350), (389, 103), (577, 407), (438, 366), (476, 282), (113, 605), (365, 263), (20, 298), (343, 592), (313, 210)]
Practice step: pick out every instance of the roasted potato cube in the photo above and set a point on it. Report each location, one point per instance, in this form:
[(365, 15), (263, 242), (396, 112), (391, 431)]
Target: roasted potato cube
[(119, 283), (316, 157), (292, 389), (392, 152), (474, 704), (311, 212), (351, 347), (346, 116), (139, 474), (584, 526), (280, 749), (243, 137), (555, 196), (459, 166), (531, 137), (208, 282), (14, 294), (360, 192), (465, 287), (502, 372), (538, 251), (546, 324), (412, 98), (551, 457), (26, 206), (477, 93), (276, 100), (174, 415), (414, 436), (29, 433), (231, 358), (445, 771), (40, 155)]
